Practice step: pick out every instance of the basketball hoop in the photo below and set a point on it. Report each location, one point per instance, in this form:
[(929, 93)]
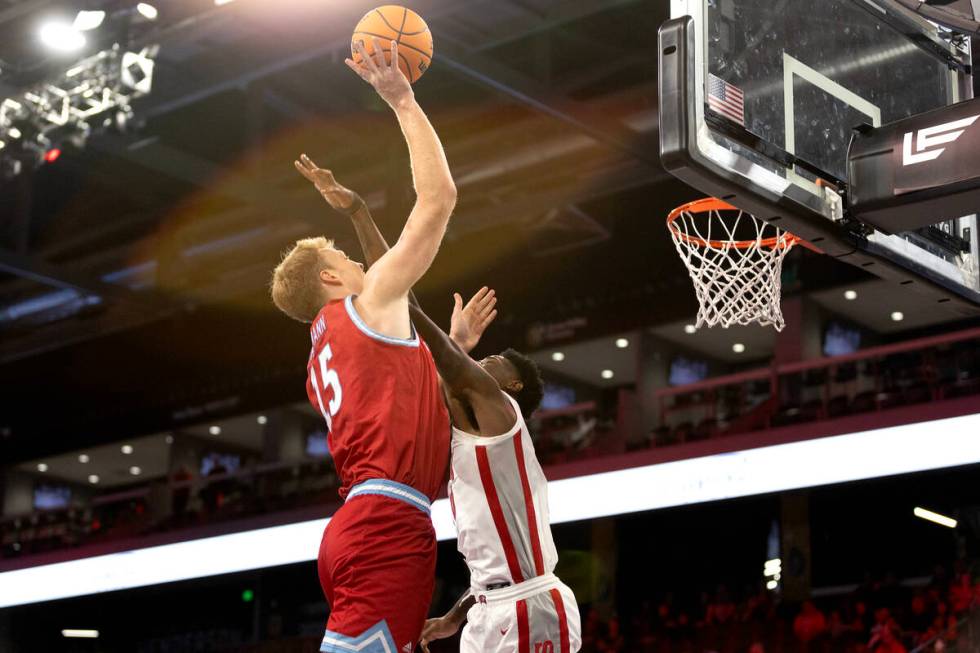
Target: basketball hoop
[(737, 281)]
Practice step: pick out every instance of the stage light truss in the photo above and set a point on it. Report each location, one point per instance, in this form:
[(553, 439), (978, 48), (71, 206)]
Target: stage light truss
[(93, 94)]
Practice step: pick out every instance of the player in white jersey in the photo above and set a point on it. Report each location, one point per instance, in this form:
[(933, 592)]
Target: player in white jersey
[(497, 490), (499, 497)]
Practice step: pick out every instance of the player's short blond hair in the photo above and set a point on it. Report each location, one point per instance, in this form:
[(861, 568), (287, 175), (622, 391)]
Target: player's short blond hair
[(296, 288)]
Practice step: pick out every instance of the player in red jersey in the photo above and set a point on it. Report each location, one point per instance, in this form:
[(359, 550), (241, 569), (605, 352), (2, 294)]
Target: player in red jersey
[(374, 382), (498, 491)]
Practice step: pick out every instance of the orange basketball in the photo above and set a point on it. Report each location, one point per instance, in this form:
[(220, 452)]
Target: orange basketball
[(393, 23)]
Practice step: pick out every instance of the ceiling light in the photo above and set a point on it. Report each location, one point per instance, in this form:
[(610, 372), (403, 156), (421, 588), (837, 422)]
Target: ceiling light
[(771, 585), (215, 430), (607, 374), (93, 478), (42, 467), (772, 567), (690, 328), (135, 471), (61, 37), (127, 449), (262, 419), (83, 458), (14, 132), (147, 11), (169, 439), (218, 3), (850, 295), (897, 316), (86, 20), (738, 348), (622, 343), (935, 517), (77, 632), (557, 356)]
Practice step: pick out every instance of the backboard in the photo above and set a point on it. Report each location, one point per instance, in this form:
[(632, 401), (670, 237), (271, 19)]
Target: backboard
[(760, 98)]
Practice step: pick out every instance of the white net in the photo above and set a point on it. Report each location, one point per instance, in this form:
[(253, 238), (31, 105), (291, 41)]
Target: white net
[(736, 279)]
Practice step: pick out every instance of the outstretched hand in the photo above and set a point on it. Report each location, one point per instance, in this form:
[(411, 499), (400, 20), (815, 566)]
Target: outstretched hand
[(433, 629), (386, 77), (338, 196), (469, 322)]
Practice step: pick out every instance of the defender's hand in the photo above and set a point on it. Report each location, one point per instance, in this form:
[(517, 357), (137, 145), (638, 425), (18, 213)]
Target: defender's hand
[(336, 195), (439, 628), (469, 322), (386, 77)]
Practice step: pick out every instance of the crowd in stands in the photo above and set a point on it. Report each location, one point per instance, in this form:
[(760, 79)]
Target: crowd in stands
[(941, 615), (877, 617), (832, 388)]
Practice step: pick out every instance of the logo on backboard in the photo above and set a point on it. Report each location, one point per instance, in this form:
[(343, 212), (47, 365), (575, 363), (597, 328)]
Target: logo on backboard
[(927, 139)]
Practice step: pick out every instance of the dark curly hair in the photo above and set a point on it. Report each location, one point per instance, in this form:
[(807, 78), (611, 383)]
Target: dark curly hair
[(529, 398)]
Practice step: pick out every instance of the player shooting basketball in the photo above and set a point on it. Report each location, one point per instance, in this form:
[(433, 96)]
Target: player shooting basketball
[(376, 385), (497, 489)]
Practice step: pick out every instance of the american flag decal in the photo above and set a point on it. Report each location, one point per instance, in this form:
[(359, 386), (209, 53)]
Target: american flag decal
[(725, 99)]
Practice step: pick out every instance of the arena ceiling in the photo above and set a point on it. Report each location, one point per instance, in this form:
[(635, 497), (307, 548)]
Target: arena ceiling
[(134, 272)]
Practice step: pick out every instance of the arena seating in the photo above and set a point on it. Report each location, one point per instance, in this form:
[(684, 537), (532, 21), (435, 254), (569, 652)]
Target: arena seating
[(869, 382), (873, 380)]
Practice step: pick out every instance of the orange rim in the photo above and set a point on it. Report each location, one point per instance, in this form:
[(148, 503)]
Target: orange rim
[(709, 204)]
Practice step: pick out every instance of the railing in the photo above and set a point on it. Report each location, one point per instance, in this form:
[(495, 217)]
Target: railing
[(192, 502), (584, 430), (871, 380)]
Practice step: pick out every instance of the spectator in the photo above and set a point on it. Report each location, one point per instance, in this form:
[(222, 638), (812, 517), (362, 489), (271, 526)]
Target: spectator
[(836, 627), (883, 619), (886, 641), (859, 625), (721, 609), (684, 628), (643, 626), (935, 632), (211, 494), (611, 640), (590, 630), (918, 620), (181, 493), (758, 607), (961, 594), (665, 615), (810, 623)]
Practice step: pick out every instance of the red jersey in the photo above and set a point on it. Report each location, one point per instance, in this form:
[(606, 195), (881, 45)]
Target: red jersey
[(380, 397)]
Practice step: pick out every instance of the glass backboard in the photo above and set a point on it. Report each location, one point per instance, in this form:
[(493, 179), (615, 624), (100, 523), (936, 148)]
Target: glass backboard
[(760, 98)]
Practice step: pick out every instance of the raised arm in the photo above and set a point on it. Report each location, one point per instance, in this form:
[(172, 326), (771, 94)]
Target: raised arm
[(389, 280), (348, 202), (465, 379), (468, 322)]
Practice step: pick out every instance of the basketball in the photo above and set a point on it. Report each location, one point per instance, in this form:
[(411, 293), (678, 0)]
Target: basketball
[(394, 23)]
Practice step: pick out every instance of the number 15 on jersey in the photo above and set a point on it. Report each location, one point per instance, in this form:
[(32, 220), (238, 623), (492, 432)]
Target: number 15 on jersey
[(329, 379)]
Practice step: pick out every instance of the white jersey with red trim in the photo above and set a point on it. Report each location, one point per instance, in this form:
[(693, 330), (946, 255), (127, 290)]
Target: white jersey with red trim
[(499, 497)]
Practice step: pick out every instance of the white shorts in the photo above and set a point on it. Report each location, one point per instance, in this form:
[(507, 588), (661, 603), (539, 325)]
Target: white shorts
[(537, 616)]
